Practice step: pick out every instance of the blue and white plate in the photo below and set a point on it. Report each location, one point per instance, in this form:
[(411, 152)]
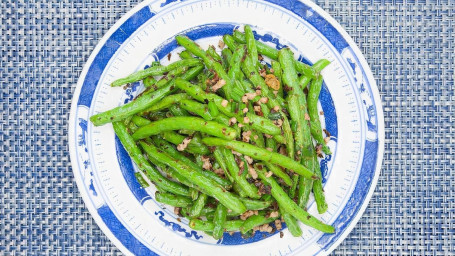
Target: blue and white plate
[(128, 213)]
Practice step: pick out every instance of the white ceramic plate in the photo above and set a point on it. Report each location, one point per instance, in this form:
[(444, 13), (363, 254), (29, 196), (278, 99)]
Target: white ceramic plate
[(128, 214)]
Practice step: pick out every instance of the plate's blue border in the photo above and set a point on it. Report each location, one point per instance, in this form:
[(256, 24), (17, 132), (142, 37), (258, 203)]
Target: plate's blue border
[(298, 8)]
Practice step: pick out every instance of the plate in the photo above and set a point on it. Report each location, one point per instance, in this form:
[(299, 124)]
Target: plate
[(129, 215)]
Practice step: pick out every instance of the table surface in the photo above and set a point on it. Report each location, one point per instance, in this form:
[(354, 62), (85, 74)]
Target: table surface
[(410, 48)]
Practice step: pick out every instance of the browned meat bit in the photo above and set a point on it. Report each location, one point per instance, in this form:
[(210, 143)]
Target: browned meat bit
[(327, 133), (218, 85), (268, 174), (273, 214), (321, 113), (249, 160), (307, 117), (269, 149), (276, 108), (264, 100), (224, 103), (219, 172), (260, 57), (206, 163), (268, 136), (232, 121), (246, 120), (319, 151), (184, 144), (236, 153), (263, 228), (281, 234), (327, 140), (169, 56), (263, 72), (278, 225), (248, 213), (177, 211), (278, 122), (275, 92), (252, 172), (245, 110), (264, 189), (221, 44), (272, 81)]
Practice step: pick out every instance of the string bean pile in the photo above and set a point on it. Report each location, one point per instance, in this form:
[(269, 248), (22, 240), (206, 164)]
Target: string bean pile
[(230, 141)]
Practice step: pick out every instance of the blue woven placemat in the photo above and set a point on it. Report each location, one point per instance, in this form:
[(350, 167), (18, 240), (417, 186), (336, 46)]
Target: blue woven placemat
[(408, 44)]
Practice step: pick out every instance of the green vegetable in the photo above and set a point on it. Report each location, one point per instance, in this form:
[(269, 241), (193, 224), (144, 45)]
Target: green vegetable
[(206, 185), (190, 123), (261, 154), (173, 200), (154, 71)]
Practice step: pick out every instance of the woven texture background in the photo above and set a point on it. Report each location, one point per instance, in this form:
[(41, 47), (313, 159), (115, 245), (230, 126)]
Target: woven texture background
[(408, 44)]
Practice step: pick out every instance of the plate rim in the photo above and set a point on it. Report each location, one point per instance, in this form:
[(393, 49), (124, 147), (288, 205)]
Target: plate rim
[(354, 47)]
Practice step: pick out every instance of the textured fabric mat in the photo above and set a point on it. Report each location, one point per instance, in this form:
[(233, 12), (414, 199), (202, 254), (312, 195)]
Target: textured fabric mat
[(408, 44)]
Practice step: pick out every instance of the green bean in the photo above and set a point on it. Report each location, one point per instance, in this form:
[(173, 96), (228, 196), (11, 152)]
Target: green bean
[(149, 81), (304, 81), (277, 71), (209, 62), (237, 91), (230, 42), (318, 189), (230, 225), (207, 186), (141, 180), (257, 138), (196, 209), (166, 102), (252, 204), (261, 154), (177, 111), (305, 185), (213, 110), (261, 47), (185, 55), (288, 137), (291, 223), (295, 182), (279, 139), (140, 121), (172, 152), (263, 125), (226, 53), (173, 200), (154, 71), (136, 155), (239, 191), (190, 123), (219, 220), (251, 45), (234, 170), (271, 143), (272, 53), (197, 108), (254, 221), (194, 193), (220, 160), (291, 207), (213, 54), (296, 113), (194, 147), (316, 129), (142, 102), (321, 64), (279, 173)]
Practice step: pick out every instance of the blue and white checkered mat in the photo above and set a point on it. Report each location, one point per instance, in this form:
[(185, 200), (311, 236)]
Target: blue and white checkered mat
[(410, 47)]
